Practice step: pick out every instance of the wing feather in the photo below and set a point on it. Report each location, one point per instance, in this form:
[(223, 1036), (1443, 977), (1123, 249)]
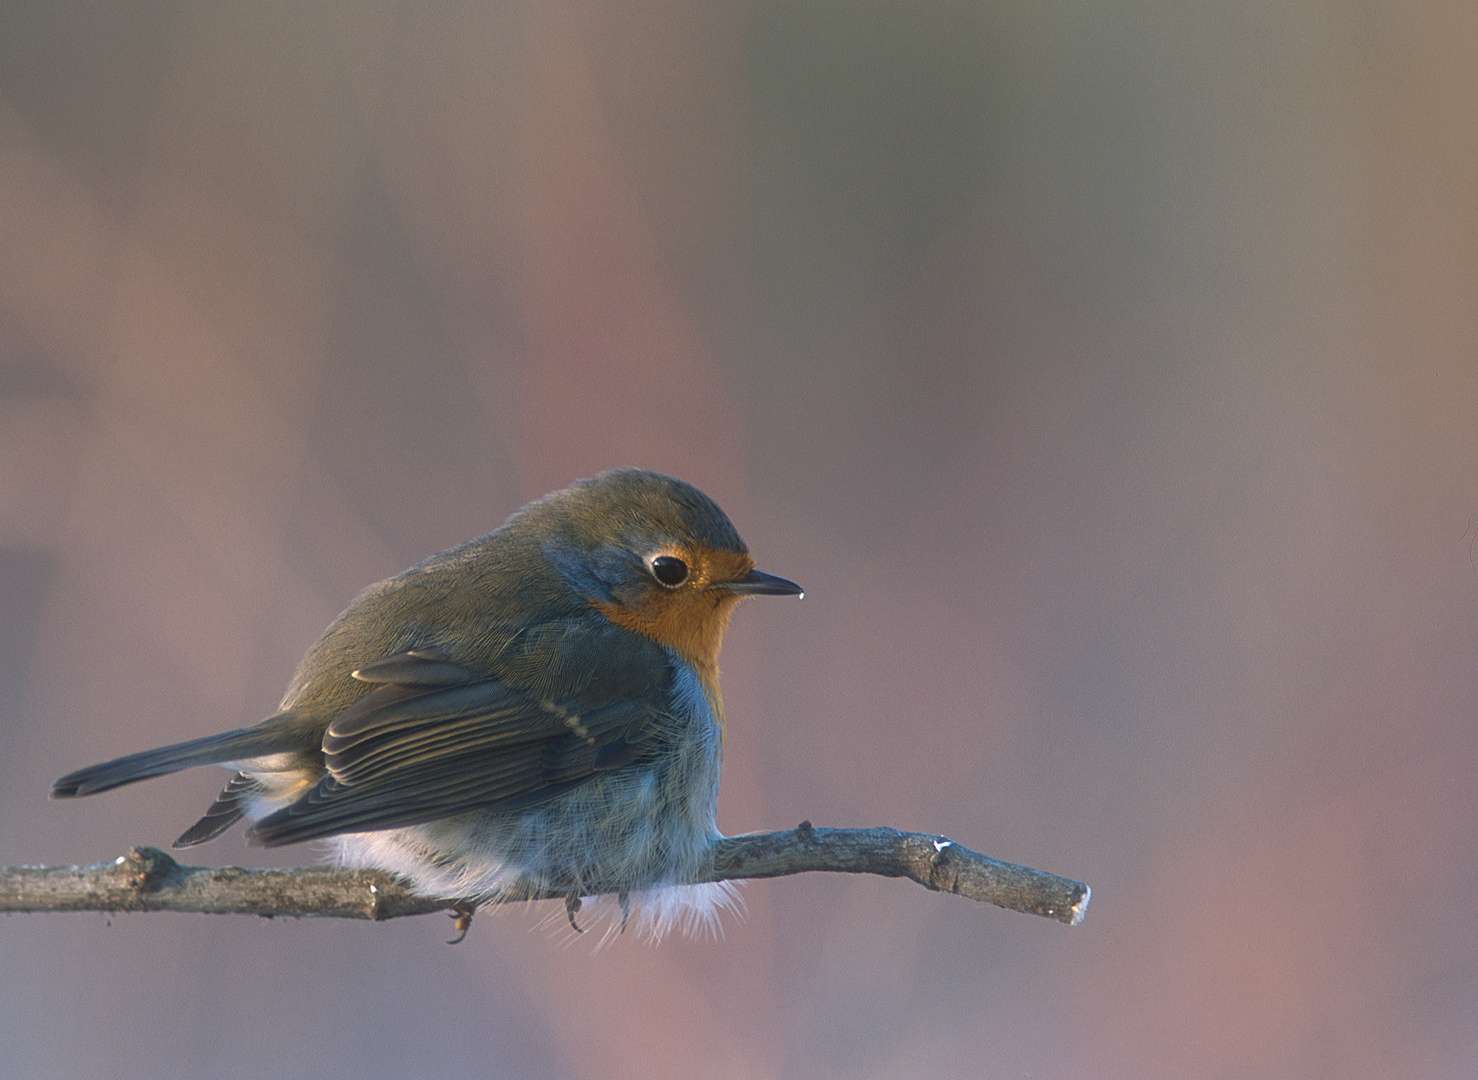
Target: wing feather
[(434, 739)]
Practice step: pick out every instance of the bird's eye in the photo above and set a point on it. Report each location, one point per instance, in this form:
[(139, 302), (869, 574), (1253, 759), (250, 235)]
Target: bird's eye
[(669, 570)]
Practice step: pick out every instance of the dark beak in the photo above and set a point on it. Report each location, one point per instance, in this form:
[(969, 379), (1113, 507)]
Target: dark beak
[(756, 583)]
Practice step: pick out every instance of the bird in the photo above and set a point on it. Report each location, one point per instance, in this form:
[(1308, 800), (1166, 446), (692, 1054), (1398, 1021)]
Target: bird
[(533, 712)]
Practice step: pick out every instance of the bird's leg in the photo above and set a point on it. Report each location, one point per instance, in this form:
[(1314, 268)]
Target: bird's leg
[(625, 899), (572, 908)]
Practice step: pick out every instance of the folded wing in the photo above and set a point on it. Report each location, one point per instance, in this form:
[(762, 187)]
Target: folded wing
[(434, 739)]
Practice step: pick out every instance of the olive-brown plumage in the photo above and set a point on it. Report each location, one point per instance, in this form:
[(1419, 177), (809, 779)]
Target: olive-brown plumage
[(535, 707)]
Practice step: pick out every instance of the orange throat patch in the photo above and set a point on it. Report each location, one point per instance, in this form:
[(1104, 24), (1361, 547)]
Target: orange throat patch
[(691, 620)]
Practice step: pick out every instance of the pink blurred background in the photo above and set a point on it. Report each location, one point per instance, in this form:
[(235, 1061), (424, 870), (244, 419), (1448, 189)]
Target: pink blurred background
[(1107, 373)]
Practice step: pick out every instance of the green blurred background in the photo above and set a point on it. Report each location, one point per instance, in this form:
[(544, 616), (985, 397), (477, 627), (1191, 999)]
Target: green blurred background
[(1107, 373)]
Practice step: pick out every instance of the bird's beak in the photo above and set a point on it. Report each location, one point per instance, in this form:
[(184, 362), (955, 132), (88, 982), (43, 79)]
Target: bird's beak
[(756, 583)]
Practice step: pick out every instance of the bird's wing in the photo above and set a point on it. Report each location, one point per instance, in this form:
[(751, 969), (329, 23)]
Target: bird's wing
[(434, 739)]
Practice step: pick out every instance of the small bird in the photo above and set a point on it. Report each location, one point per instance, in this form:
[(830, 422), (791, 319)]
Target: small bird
[(535, 710)]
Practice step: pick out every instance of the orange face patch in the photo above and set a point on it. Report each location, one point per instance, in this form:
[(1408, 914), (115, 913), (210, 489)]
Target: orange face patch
[(690, 618)]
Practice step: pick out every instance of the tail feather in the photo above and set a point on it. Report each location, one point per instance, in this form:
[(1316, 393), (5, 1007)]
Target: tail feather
[(223, 813), (235, 745)]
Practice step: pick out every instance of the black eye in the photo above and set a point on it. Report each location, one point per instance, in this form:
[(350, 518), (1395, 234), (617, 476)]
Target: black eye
[(669, 570)]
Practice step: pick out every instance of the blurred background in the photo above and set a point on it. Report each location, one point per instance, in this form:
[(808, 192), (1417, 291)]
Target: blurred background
[(1106, 372)]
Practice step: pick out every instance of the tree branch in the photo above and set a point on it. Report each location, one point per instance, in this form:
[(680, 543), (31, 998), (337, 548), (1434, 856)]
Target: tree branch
[(147, 879)]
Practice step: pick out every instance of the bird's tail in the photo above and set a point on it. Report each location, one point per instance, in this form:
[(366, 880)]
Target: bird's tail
[(239, 745)]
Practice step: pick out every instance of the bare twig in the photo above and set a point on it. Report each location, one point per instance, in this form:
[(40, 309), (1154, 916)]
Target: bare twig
[(147, 879), (935, 862)]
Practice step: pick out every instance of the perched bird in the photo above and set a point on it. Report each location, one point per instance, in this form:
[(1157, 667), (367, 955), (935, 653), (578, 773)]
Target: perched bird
[(535, 709)]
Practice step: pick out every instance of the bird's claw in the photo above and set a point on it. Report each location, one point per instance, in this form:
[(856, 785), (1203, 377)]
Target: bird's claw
[(462, 912)]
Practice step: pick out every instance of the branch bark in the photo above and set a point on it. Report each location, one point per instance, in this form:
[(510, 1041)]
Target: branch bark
[(147, 879)]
